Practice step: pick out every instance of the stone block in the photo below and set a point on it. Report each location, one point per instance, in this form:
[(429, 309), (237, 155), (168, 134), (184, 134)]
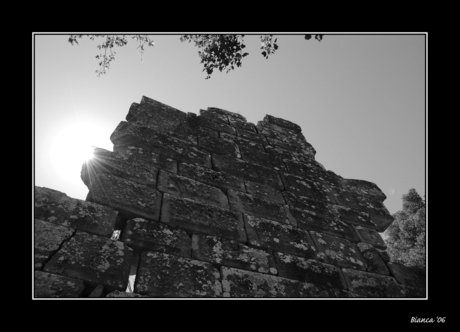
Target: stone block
[(163, 275), (156, 106), (292, 145), (154, 236), (311, 221), (302, 187), (256, 138), (338, 251), (256, 206), (264, 191), (263, 125), (246, 171), (369, 235), (148, 157), (352, 216), (94, 259), (304, 203), (374, 261), (218, 126), (186, 188), (242, 125), (56, 207), (229, 114), (218, 146), (288, 155), (231, 253), (221, 180), (116, 294), (269, 234), (214, 116), (197, 217), (407, 276), (282, 123), (240, 283), (105, 161), (97, 292), (309, 270), (367, 284), (52, 285), (309, 169), (365, 188), (127, 134), (131, 199), (254, 155), (48, 237)]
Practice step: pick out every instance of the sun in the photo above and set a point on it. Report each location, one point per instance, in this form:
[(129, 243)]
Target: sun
[(73, 145)]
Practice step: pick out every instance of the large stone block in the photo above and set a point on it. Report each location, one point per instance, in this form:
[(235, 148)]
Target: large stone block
[(186, 188), (56, 207), (214, 116), (221, 180), (221, 111), (242, 125), (162, 275), (282, 123), (256, 138), (158, 107), (369, 235), (240, 283), (246, 171), (127, 134), (338, 251), (154, 236), (289, 155), (309, 270), (94, 259), (105, 161), (311, 221), (197, 217), (256, 206), (130, 198), (265, 191), (149, 157), (352, 216), (232, 253), (293, 145), (48, 238), (374, 261), (365, 188), (264, 126), (373, 285), (257, 156), (310, 169), (302, 187), (219, 146), (269, 234), (219, 126), (304, 203), (52, 285), (408, 276)]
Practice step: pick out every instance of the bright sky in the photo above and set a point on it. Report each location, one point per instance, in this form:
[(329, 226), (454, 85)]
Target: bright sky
[(359, 99)]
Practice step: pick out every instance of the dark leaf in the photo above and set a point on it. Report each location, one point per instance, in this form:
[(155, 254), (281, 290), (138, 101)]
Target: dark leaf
[(307, 37)]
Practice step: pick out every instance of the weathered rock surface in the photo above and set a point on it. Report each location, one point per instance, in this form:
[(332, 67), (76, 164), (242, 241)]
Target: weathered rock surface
[(48, 237), (56, 207), (369, 235), (97, 291), (124, 294), (265, 191), (94, 259), (148, 157), (154, 236), (338, 251), (374, 261), (309, 270), (282, 123), (373, 285), (162, 275), (131, 199), (407, 276), (256, 206), (254, 155), (302, 187), (352, 216), (185, 188), (218, 146), (304, 203), (268, 234), (232, 253), (52, 285), (197, 217)]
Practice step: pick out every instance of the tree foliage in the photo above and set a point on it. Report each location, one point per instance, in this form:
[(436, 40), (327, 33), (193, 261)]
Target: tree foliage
[(406, 240), (222, 52)]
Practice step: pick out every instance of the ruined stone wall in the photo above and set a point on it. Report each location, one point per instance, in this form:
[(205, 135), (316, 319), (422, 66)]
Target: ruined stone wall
[(211, 205)]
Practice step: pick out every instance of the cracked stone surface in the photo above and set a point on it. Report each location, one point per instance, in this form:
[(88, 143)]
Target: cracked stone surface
[(52, 285)]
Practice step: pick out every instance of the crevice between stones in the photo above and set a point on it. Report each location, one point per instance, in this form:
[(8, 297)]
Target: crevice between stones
[(55, 252)]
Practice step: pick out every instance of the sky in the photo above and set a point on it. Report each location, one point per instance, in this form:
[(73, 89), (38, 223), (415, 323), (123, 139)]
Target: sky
[(359, 99)]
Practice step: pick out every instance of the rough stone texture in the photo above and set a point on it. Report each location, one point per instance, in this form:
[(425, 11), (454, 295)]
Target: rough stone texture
[(219, 146), (116, 294), (215, 116), (56, 207), (294, 146), (128, 134), (373, 285), (256, 206), (257, 156), (309, 270), (247, 135), (196, 217), (302, 187), (306, 204), (407, 276), (221, 180), (48, 238), (154, 236), (128, 197), (353, 216), (311, 221), (97, 292), (268, 234), (338, 251), (52, 285), (246, 171), (162, 275), (116, 164), (374, 261), (309, 169), (370, 236), (240, 283), (265, 191), (242, 125), (231, 253), (94, 259), (149, 157), (185, 188), (282, 123)]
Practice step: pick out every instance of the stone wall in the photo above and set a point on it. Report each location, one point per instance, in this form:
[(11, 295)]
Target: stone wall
[(211, 205)]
